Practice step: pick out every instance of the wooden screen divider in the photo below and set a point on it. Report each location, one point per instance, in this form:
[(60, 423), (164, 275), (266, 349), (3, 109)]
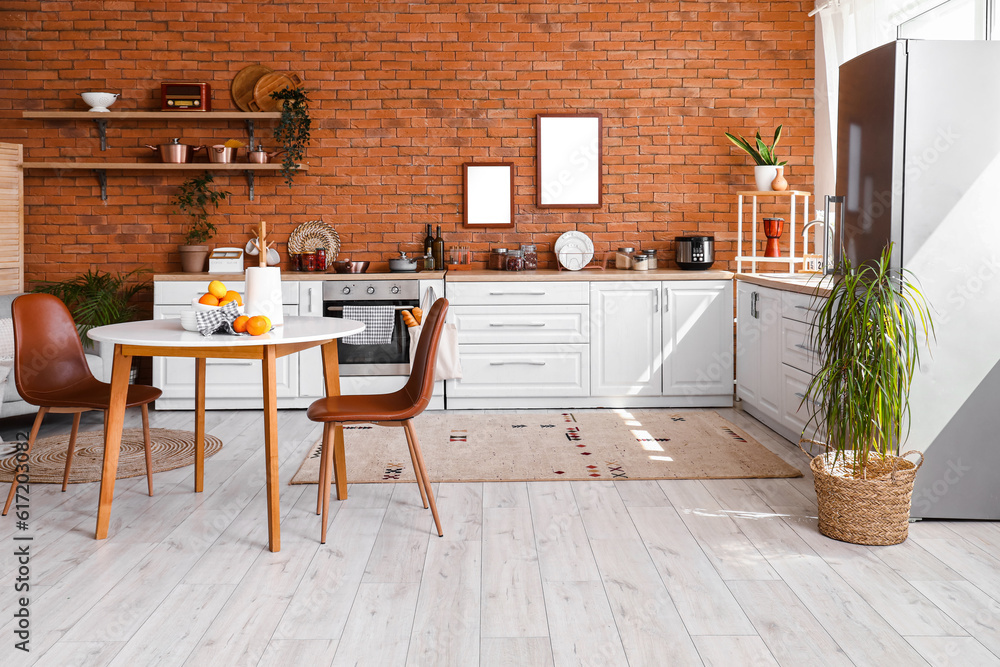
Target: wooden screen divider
[(11, 219)]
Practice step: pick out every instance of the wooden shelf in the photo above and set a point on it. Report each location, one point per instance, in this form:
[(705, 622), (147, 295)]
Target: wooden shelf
[(773, 193), (100, 169), (151, 115)]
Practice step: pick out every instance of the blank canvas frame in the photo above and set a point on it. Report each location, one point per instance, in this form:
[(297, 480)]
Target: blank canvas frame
[(568, 166), (489, 194)]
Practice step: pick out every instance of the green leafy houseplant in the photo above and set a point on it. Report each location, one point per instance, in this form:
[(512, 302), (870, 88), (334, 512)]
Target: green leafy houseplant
[(97, 298), (292, 131), (868, 332), (195, 196), (762, 154)]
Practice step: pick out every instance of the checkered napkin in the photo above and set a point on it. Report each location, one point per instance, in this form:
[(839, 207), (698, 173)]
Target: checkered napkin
[(379, 323), (218, 321)]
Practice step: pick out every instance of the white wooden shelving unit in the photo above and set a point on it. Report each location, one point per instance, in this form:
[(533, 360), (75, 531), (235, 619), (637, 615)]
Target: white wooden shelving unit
[(793, 197)]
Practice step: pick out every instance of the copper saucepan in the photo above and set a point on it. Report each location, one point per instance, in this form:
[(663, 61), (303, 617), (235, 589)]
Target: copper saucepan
[(260, 156), (175, 152)]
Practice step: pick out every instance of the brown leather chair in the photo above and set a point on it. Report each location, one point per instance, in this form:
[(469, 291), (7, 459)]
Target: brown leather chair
[(395, 409), (51, 371)]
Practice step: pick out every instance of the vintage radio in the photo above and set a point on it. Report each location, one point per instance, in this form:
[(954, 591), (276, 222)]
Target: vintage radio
[(184, 96)]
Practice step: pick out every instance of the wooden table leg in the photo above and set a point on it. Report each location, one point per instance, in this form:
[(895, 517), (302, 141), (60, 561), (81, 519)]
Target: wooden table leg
[(331, 376), (271, 447), (113, 438), (199, 424)]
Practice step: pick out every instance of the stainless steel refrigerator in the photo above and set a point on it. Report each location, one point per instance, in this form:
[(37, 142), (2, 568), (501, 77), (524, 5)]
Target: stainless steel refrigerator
[(918, 164)]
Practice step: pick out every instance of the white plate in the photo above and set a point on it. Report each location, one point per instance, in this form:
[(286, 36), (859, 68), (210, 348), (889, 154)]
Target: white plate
[(572, 257), (579, 238)]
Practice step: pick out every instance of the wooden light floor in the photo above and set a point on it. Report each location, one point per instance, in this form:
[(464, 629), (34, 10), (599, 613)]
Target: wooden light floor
[(726, 573)]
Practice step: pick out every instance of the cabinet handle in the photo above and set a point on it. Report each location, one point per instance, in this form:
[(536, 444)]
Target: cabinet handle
[(517, 363), (656, 301), (666, 299), (517, 324), (799, 394), (231, 362), (517, 293), (806, 348), (753, 305), (312, 299), (815, 310)]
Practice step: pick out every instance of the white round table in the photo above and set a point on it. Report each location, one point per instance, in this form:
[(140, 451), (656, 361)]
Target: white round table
[(166, 338)]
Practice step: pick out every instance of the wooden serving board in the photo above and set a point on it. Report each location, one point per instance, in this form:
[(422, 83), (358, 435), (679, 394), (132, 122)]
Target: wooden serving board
[(267, 84), (241, 88)]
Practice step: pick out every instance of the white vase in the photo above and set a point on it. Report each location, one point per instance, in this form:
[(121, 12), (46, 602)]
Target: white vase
[(763, 175)]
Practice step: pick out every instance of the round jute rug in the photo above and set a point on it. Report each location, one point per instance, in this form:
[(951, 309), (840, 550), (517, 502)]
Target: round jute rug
[(170, 448)]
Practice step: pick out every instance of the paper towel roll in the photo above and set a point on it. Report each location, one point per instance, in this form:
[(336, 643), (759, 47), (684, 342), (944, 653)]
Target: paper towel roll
[(263, 288)]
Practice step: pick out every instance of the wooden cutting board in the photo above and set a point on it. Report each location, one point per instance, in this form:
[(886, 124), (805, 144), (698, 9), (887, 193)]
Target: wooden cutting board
[(241, 88), (262, 100)]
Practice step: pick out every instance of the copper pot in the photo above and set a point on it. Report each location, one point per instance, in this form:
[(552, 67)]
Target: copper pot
[(222, 154), (175, 152), (260, 156)]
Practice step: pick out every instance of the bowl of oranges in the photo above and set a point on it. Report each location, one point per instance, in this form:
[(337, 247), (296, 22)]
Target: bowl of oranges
[(216, 297)]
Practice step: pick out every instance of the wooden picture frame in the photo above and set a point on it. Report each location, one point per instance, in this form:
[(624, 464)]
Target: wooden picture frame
[(488, 189), (568, 165)]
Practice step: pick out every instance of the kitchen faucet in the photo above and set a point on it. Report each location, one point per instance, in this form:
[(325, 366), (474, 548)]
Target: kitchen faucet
[(827, 241)]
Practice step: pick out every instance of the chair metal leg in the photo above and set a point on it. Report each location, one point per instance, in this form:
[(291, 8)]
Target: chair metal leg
[(322, 469), (147, 444), (408, 425), (324, 483), (31, 440), (416, 468), (71, 448)]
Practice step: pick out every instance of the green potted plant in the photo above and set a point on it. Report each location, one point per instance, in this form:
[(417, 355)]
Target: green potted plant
[(195, 196), (292, 130), (869, 332), (768, 167), (97, 298)]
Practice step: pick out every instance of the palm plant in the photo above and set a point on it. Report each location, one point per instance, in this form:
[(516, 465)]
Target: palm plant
[(96, 298), (762, 154), (868, 332)]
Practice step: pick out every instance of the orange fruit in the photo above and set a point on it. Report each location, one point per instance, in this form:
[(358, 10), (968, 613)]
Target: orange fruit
[(267, 321), (240, 324), (217, 289), (257, 325), (209, 300), (233, 295)]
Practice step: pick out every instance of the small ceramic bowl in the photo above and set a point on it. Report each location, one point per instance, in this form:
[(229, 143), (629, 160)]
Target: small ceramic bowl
[(99, 101), (189, 320)]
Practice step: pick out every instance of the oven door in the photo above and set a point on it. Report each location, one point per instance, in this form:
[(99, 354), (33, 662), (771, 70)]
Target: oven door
[(393, 358)]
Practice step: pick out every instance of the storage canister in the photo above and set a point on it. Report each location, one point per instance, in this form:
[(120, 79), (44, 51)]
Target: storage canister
[(623, 258), (640, 262), (530, 254), (498, 259), (515, 260), (651, 258)]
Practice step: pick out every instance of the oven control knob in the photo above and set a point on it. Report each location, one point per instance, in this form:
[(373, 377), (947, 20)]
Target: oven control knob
[(395, 289), (346, 290), (371, 289)]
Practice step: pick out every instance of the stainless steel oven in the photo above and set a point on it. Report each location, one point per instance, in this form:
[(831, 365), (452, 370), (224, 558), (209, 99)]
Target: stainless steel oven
[(392, 358)]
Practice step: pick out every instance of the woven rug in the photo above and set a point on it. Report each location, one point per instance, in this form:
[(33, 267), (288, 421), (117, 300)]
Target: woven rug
[(609, 444), (170, 449)]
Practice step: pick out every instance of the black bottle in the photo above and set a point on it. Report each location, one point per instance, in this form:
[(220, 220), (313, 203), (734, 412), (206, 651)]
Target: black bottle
[(429, 242), (438, 251)]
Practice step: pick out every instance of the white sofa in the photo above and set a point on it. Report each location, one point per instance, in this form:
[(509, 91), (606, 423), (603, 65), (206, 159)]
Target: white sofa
[(13, 404)]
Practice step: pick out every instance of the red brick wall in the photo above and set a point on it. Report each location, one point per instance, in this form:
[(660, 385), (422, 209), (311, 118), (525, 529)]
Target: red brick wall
[(403, 94)]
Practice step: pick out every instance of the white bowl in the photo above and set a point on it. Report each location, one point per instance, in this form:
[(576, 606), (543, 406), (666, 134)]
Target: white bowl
[(206, 308), (99, 101), (189, 320)]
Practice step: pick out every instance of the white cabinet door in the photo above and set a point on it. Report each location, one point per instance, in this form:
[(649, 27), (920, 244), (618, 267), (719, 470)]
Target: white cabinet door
[(625, 343), (768, 309), (697, 338), (311, 361), (747, 345)]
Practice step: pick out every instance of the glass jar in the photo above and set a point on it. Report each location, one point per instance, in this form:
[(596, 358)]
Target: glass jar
[(320, 254), (651, 261), (640, 262), (623, 258), (429, 261), (515, 260), (498, 259), (530, 254), (309, 261)]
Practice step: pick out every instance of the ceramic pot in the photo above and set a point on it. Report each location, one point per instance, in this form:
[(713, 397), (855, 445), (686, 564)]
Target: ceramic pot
[(779, 184), (193, 258), (764, 175)]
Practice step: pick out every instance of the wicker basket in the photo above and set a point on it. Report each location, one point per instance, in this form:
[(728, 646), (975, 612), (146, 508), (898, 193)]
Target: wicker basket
[(315, 234), (873, 511)]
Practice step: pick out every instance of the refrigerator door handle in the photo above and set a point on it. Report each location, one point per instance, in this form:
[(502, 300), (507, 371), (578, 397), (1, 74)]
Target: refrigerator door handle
[(829, 268)]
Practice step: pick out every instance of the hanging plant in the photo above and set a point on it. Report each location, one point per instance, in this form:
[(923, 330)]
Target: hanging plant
[(195, 197), (292, 131)]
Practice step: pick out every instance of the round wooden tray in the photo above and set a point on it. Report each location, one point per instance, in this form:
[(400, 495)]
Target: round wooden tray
[(269, 83), (241, 88)]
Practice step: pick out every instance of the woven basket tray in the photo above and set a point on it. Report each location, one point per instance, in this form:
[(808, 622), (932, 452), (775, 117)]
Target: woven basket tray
[(874, 511), (315, 234)]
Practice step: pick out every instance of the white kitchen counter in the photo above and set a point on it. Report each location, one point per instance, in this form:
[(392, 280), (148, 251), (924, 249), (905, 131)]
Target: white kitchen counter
[(300, 276), (588, 275), (802, 283)]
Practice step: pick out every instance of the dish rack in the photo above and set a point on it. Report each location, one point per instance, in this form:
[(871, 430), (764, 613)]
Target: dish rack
[(599, 261)]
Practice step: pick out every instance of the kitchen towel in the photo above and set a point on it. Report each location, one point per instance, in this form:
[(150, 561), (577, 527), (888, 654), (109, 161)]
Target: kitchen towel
[(217, 321), (379, 323)]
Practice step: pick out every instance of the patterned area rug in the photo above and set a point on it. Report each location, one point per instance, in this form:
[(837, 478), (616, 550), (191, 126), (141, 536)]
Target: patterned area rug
[(170, 449), (610, 444)]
